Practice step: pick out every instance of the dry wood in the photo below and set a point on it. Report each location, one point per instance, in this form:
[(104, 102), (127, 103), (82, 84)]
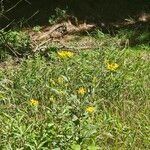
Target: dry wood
[(51, 30), (51, 33)]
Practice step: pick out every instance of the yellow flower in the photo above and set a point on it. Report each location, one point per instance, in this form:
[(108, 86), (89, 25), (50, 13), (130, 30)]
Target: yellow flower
[(81, 90), (90, 109), (34, 102), (112, 66), (65, 54)]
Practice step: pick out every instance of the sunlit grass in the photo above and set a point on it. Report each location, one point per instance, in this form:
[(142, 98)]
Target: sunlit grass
[(94, 100)]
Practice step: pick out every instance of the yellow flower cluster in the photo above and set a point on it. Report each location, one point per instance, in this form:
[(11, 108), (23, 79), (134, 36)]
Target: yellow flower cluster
[(112, 66), (90, 109), (81, 91), (65, 54), (34, 102)]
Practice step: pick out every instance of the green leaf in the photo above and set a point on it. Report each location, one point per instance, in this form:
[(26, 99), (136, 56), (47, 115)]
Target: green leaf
[(92, 147), (76, 147)]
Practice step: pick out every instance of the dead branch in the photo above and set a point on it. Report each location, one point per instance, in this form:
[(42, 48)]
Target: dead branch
[(51, 30)]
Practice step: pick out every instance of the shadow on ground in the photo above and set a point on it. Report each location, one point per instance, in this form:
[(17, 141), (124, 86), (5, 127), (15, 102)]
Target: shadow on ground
[(33, 12), (100, 12)]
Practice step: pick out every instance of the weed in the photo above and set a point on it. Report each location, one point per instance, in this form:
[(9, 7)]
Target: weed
[(59, 15), (37, 28), (76, 103), (14, 42)]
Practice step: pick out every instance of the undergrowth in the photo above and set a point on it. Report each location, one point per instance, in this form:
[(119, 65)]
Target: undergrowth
[(94, 99), (13, 43)]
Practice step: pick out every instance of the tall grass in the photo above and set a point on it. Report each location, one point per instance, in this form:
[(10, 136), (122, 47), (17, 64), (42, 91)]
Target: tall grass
[(110, 112)]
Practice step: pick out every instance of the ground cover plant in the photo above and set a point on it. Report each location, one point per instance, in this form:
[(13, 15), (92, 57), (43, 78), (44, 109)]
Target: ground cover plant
[(13, 42), (90, 99), (74, 75)]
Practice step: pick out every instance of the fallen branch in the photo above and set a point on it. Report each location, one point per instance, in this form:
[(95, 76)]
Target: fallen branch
[(66, 47), (51, 30)]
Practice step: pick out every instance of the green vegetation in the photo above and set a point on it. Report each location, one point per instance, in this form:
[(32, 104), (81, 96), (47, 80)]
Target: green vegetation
[(15, 43), (85, 100), (65, 87), (59, 15)]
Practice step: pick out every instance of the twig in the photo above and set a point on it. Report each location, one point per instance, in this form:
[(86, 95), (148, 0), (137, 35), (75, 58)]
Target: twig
[(78, 48), (12, 50), (41, 44), (31, 16), (8, 25), (13, 6), (63, 46), (52, 29), (27, 2)]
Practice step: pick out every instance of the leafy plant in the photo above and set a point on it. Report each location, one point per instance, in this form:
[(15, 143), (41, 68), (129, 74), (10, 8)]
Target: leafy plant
[(59, 15), (92, 100), (37, 28), (14, 42)]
